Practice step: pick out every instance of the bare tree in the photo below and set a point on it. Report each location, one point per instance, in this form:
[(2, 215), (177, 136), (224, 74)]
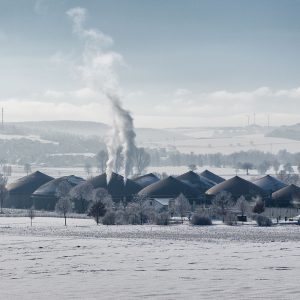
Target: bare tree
[(64, 204), (276, 165), (263, 167), (3, 191), (31, 214), (141, 160), (81, 195), (288, 178), (182, 206), (163, 175), (139, 210), (101, 203), (27, 168), (223, 203), (7, 170), (242, 205), (288, 168), (192, 167), (247, 166), (259, 206), (87, 168), (101, 158)]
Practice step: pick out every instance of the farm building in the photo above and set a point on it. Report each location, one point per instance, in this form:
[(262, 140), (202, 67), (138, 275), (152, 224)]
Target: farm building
[(116, 187), (269, 184), (196, 181), (146, 179), (161, 204), (20, 191), (44, 198), (212, 177), (237, 187), (288, 196), (171, 187)]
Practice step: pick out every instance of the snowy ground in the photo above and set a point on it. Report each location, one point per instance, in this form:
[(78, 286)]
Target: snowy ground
[(208, 144), (85, 261)]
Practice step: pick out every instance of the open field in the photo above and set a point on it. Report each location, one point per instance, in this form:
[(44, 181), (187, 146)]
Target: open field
[(85, 261)]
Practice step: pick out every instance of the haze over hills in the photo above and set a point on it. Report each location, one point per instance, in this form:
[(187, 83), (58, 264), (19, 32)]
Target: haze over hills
[(72, 142), (87, 128), (289, 132)]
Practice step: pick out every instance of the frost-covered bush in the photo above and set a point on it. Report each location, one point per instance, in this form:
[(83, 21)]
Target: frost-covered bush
[(109, 218), (263, 221), (222, 204), (259, 206), (203, 220), (121, 217), (162, 219), (182, 206), (230, 219)]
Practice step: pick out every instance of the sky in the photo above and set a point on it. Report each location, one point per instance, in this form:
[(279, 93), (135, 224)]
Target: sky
[(174, 63)]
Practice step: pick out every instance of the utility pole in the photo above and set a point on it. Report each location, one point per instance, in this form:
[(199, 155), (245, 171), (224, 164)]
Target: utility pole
[(248, 120), (2, 122)]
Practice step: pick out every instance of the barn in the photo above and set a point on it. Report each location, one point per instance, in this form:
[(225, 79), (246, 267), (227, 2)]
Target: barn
[(20, 191), (146, 179), (198, 182), (44, 198), (170, 188), (116, 187), (237, 187), (288, 196), (212, 176), (269, 184)]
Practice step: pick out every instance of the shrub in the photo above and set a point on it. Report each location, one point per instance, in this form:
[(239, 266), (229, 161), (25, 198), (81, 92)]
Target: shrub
[(263, 221), (121, 218), (259, 206), (162, 219), (201, 220), (230, 219), (109, 218), (97, 210)]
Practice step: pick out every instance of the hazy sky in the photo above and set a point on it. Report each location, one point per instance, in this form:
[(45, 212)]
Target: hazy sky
[(180, 63)]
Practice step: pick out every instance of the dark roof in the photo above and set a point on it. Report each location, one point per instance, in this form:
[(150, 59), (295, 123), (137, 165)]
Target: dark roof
[(169, 187), (49, 189), (100, 181), (287, 196), (269, 183), (212, 177), (237, 186), (196, 181), (131, 188), (146, 179), (115, 187), (28, 184)]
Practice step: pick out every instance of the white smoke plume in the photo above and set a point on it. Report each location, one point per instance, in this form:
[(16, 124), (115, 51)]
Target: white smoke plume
[(98, 72)]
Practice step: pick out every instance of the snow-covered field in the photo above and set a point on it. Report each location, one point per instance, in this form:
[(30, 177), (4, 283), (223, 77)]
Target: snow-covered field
[(85, 261), (226, 145)]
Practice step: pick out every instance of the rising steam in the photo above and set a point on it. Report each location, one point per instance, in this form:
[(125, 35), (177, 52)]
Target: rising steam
[(98, 73)]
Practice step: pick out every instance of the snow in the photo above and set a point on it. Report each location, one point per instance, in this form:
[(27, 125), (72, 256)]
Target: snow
[(85, 261), (34, 138), (226, 145)]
